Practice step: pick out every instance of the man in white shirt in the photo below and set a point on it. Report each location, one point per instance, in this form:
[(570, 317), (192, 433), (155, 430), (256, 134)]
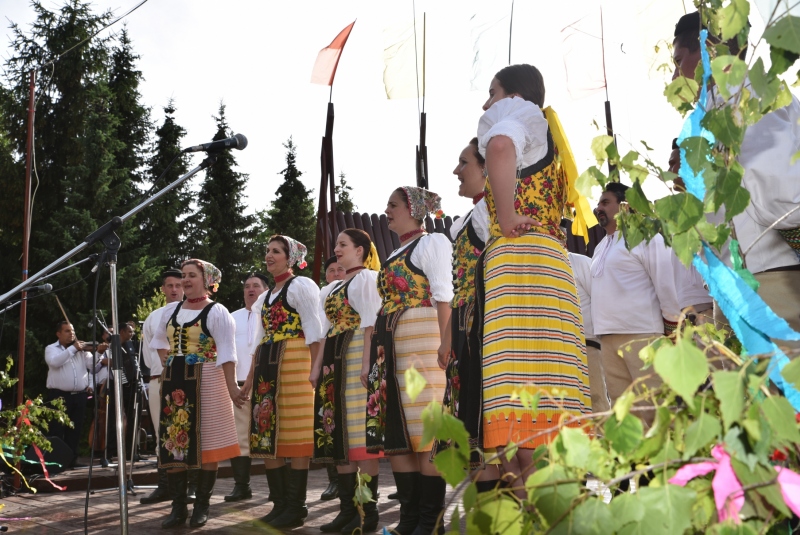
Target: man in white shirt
[(771, 178), (68, 372), (581, 268), (173, 291), (255, 284), (633, 298)]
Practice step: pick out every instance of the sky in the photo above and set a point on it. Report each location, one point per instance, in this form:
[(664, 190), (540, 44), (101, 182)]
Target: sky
[(257, 58)]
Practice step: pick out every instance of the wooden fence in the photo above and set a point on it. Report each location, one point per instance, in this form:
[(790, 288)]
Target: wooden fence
[(387, 241)]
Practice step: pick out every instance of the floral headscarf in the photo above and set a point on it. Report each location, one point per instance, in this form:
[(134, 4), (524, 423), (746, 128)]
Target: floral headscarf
[(297, 252), (422, 202), (212, 276)]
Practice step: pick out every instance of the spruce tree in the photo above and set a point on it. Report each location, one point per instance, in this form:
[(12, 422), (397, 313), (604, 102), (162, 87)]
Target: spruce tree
[(344, 202), (292, 212), (224, 234), (163, 224)]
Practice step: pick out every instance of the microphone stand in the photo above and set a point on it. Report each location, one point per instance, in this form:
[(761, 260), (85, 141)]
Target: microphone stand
[(112, 244)]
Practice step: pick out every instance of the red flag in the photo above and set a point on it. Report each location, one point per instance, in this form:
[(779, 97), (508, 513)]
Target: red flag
[(328, 58)]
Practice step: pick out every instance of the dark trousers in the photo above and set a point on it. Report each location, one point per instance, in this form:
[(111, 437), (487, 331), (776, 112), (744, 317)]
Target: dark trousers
[(75, 403), (127, 407)]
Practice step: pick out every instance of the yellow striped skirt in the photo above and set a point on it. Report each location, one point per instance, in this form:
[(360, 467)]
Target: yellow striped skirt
[(295, 402), (355, 401), (416, 342), (533, 340)]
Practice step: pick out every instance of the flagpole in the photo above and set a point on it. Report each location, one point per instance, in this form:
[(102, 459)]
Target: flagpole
[(510, 28), (609, 125)]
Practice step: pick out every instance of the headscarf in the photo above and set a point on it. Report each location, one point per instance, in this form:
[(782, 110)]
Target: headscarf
[(212, 276), (297, 252), (372, 261), (422, 202)]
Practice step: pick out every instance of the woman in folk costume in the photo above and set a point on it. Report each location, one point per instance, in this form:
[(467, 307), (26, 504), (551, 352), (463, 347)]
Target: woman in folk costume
[(416, 287), (349, 310), (283, 400), (462, 398), (533, 330), (196, 343)]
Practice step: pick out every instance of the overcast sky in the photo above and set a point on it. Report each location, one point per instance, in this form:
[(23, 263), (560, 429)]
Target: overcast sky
[(257, 57)]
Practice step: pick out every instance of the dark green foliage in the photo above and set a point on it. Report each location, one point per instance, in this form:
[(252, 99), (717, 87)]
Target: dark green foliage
[(344, 203), (224, 234), (292, 212)]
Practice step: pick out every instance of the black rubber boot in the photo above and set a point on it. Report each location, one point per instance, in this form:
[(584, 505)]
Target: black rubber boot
[(292, 516), (333, 484), (276, 479), (205, 486), (431, 504), (371, 517), (408, 494), (176, 486), (347, 509), (191, 492), (241, 476), (486, 486), (160, 494)]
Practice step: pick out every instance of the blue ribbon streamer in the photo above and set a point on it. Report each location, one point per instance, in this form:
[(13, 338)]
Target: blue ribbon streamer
[(754, 323)]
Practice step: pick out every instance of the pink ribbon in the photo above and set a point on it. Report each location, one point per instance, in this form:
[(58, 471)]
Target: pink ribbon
[(728, 492)]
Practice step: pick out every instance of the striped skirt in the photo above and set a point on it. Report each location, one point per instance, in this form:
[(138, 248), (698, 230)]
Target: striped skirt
[(281, 381), (405, 338), (532, 340), (198, 422)]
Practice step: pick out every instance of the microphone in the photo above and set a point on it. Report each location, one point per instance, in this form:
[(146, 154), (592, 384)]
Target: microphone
[(237, 142), (44, 288)]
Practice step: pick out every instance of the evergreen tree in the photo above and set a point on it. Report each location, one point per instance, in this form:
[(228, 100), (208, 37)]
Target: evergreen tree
[(88, 138), (163, 224), (344, 202), (224, 234), (292, 212)]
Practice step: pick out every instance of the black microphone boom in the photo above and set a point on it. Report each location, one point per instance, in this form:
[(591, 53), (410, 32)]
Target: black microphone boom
[(237, 142)]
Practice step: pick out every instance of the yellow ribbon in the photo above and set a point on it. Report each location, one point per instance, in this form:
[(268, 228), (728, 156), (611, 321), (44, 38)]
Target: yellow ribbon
[(584, 217), (372, 261)]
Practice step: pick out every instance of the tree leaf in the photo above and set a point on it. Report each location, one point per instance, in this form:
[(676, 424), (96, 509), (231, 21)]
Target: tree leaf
[(765, 86), (682, 210), (681, 93), (592, 517), (638, 200), (729, 73), (625, 509), (761, 474), (668, 509), (698, 152), (733, 18), (791, 372), (729, 389), (577, 444), (451, 463), (785, 34), (686, 244), (781, 417), (452, 428), (600, 145), (781, 60), (552, 501), (623, 405), (722, 123), (431, 421), (700, 433), (496, 516), (588, 179), (683, 367), (624, 436), (470, 497), (415, 382)]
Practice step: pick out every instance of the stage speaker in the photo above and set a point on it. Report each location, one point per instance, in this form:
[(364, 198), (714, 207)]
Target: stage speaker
[(61, 455)]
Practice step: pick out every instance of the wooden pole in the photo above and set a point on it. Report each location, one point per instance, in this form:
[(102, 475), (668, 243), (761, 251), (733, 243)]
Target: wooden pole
[(26, 231)]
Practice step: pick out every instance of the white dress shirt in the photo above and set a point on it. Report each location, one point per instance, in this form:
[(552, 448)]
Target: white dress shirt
[(689, 285), (150, 355), (68, 368), (244, 332), (773, 182), (632, 291), (219, 323), (582, 268), (434, 256), (303, 296)]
